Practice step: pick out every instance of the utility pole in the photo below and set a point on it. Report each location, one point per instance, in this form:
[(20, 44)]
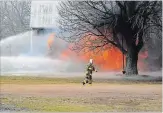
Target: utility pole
[(123, 58)]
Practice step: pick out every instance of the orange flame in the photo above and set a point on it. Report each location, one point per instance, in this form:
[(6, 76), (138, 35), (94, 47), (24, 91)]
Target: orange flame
[(109, 59), (51, 40), (106, 59)]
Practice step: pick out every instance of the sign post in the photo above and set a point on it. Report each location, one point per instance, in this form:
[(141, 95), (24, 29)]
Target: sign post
[(43, 14)]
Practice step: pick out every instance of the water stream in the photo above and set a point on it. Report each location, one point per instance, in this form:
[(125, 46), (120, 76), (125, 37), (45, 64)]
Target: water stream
[(23, 54)]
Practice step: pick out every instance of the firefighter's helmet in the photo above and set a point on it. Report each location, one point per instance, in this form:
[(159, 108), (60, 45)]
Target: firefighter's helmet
[(91, 61)]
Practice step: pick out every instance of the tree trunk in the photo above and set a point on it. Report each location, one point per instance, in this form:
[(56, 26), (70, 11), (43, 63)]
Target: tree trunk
[(131, 61)]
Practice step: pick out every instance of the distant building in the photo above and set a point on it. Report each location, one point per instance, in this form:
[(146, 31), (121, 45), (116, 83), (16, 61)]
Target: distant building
[(43, 15)]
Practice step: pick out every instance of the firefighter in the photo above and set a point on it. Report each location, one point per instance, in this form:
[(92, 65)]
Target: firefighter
[(89, 70)]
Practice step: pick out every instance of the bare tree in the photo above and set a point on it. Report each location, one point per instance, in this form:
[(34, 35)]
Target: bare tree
[(106, 23), (14, 17)]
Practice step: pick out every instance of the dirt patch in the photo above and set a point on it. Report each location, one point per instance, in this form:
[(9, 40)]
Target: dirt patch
[(106, 97), (96, 90)]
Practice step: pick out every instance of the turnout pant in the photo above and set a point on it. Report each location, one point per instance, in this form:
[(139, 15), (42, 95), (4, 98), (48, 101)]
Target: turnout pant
[(88, 79)]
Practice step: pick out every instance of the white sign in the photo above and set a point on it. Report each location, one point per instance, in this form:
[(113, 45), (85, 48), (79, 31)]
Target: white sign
[(43, 14)]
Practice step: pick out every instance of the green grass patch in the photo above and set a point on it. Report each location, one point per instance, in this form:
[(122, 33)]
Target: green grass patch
[(37, 80), (69, 80), (83, 104)]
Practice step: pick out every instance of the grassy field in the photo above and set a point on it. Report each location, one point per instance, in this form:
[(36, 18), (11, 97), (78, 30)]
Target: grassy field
[(118, 100), (37, 80), (82, 104), (69, 80)]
